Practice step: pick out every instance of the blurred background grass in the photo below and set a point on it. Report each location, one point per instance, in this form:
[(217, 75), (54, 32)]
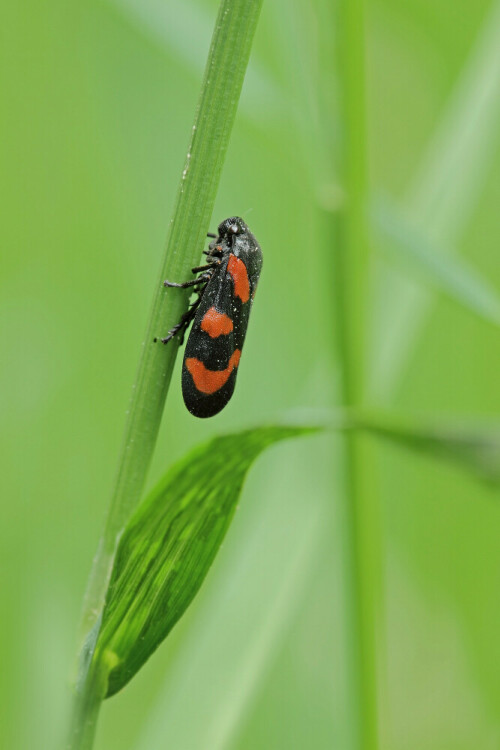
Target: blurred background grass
[(98, 99)]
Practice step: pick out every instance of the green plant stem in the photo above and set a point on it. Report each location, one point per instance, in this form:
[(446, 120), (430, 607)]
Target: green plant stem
[(224, 74), (86, 706), (353, 295), (220, 92)]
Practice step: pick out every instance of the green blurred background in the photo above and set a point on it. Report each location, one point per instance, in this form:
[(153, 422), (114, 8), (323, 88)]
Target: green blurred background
[(97, 104)]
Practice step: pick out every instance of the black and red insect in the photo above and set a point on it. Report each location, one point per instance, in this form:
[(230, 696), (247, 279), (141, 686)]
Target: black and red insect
[(226, 287)]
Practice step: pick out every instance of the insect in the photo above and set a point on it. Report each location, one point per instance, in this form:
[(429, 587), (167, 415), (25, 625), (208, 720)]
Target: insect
[(226, 287)]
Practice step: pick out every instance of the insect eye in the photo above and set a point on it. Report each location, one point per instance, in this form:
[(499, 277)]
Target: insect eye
[(231, 226)]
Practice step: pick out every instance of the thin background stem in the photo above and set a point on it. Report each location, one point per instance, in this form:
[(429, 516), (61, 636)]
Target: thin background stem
[(354, 300), (341, 35)]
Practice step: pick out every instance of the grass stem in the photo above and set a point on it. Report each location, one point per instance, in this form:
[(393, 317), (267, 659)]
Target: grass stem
[(223, 79), (224, 74), (87, 702)]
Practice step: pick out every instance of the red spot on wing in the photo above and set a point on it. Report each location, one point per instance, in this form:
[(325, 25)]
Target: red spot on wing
[(216, 324), (238, 271), (210, 381)]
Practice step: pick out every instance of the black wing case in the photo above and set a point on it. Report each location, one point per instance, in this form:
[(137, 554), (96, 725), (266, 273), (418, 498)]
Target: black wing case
[(216, 339)]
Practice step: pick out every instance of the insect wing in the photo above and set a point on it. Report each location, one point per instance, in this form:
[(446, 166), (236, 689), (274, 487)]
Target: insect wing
[(211, 357), (216, 339)]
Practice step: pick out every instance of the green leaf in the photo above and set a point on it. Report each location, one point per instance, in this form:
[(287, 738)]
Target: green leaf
[(168, 546)]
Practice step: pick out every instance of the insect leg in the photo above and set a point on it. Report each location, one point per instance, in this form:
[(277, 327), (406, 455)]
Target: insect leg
[(185, 284), (183, 324), (213, 252), (188, 316), (209, 266)]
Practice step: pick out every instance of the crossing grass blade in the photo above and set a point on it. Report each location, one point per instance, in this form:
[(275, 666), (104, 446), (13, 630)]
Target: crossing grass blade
[(168, 546), (444, 193), (409, 245), (474, 448), (168, 25)]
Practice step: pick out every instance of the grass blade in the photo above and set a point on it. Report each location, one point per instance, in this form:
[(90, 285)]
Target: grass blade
[(448, 185), (169, 545), (168, 26), (475, 449), (227, 62), (248, 605), (226, 65), (444, 194), (400, 239)]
